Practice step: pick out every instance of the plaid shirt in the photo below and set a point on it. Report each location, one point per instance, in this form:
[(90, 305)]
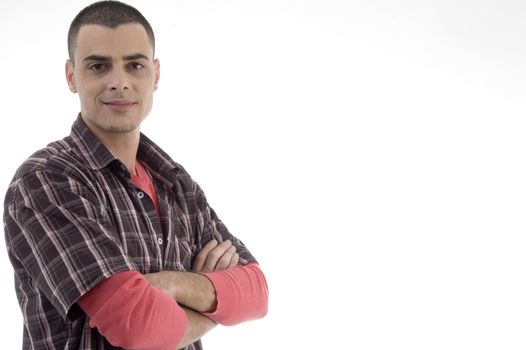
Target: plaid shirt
[(72, 218)]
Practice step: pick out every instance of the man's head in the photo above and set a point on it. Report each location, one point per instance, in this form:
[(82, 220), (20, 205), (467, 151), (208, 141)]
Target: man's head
[(109, 14), (112, 67)]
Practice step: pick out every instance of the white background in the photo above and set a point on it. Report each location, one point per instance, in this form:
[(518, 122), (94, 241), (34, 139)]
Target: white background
[(369, 153)]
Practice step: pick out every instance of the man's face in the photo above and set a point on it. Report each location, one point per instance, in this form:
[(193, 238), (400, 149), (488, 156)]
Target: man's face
[(115, 75)]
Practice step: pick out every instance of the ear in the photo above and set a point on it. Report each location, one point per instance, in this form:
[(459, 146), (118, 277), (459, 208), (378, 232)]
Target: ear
[(70, 76), (157, 73)]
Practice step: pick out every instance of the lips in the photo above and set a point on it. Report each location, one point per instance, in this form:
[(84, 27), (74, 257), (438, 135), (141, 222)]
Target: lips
[(119, 105)]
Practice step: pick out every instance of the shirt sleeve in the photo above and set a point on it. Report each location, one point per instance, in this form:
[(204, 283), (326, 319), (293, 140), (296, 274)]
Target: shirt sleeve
[(242, 294), (133, 314), (58, 229), (211, 227)]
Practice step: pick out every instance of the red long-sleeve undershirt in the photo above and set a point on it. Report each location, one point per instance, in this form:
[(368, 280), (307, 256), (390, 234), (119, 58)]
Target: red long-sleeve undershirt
[(131, 313)]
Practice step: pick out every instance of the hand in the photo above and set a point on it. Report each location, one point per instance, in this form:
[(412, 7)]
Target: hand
[(216, 257)]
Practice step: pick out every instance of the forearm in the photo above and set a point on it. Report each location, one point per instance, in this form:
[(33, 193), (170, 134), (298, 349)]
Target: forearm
[(192, 290), (228, 297), (198, 326)]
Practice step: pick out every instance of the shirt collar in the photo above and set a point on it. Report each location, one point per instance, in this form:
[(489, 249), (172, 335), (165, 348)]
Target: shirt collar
[(157, 161), (98, 156), (94, 152)]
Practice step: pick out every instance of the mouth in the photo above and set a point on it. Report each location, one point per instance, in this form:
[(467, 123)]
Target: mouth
[(119, 105)]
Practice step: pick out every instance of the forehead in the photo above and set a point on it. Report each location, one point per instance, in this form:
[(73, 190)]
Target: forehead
[(94, 39)]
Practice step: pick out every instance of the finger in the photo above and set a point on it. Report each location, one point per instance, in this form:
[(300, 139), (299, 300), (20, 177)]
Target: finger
[(214, 256), (224, 261), (234, 261), (200, 259)]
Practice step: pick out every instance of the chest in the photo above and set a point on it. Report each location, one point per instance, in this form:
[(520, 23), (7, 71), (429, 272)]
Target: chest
[(154, 241)]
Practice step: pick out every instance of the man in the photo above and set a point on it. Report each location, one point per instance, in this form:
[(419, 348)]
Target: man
[(112, 243)]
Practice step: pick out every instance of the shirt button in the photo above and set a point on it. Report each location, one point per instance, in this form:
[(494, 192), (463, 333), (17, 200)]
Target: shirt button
[(160, 241), (140, 194)]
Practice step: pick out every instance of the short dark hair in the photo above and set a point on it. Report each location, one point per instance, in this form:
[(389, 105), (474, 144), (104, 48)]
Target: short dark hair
[(110, 14)]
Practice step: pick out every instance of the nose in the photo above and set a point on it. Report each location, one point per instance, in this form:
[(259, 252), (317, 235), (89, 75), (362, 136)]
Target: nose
[(118, 80)]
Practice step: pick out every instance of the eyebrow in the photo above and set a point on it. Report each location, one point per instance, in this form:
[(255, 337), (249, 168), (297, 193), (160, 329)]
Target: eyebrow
[(101, 58), (135, 56)]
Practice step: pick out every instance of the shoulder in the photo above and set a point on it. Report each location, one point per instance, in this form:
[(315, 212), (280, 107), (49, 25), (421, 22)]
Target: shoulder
[(54, 156), (57, 161)]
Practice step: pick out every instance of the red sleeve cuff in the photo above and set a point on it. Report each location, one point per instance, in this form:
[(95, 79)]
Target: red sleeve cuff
[(241, 292)]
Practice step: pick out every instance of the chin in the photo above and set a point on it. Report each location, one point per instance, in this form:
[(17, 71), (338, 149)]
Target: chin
[(122, 123), (121, 129)]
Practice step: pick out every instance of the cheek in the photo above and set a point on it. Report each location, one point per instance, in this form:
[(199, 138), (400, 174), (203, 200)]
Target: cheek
[(147, 102), (147, 93), (89, 90)]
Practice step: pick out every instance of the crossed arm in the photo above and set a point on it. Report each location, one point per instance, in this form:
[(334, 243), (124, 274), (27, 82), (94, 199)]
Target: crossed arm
[(168, 308), (193, 291)]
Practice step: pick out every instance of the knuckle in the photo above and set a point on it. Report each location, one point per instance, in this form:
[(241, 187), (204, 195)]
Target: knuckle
[(226, 243), (215, 255), (225, 258)]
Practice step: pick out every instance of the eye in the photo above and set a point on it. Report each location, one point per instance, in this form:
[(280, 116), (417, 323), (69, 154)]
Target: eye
[(136, 65), (97, 67)]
